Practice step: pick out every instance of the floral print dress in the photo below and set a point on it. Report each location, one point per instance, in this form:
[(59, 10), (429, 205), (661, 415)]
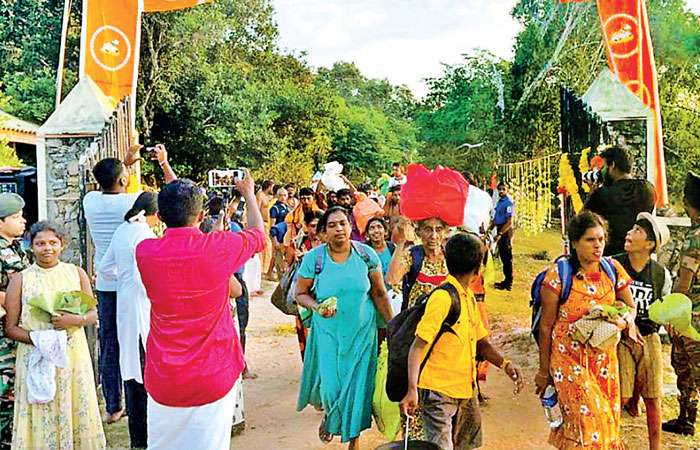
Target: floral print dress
[(586, 378), (432, 274), (72, 420)]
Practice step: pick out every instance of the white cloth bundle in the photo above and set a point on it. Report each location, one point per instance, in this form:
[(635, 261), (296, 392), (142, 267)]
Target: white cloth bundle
[(49, 352)]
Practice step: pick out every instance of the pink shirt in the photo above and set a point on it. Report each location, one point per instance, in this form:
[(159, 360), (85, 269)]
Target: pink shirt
[(192, 355)]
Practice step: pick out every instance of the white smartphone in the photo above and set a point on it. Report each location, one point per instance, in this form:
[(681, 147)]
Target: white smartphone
[(225, 178)]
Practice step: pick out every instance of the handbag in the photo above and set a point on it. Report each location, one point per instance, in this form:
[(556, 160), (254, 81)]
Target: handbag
[(283, 297)]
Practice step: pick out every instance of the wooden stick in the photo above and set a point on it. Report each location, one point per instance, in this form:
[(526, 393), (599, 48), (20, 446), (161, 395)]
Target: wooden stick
[(62, 52)]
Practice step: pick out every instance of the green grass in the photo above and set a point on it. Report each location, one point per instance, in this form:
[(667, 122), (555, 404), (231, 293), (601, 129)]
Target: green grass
[(527, 263)]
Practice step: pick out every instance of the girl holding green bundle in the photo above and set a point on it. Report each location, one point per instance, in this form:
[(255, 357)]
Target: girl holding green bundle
[(72, 418)]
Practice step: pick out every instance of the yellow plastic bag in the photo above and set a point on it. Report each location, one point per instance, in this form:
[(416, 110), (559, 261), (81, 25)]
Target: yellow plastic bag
[(386, 413), (489, 272)]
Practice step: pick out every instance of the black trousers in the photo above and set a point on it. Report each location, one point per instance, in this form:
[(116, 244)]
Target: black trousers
[(136, 407), (242, 310), (505, 252)]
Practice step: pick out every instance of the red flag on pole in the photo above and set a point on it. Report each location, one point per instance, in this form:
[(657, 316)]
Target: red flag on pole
[(625, 27), (631, 57)]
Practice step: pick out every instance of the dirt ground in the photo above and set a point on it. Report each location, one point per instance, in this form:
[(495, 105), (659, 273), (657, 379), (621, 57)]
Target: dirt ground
[(509, 423), (273, 423)]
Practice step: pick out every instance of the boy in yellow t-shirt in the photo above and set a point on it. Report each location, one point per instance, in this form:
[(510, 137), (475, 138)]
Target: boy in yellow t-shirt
[(445, 389)]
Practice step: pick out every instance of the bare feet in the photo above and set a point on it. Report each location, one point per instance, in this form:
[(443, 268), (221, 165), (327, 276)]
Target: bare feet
[(248, 375), (633, 408), (354, 444), (115, 417)]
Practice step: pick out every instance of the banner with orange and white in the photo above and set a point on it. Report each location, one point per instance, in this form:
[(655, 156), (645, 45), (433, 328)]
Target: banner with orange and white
[(111, 39), (625, 26), (110, 45)]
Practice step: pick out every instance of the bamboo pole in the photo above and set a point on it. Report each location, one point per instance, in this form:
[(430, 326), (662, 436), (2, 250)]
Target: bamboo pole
[(62, 51)]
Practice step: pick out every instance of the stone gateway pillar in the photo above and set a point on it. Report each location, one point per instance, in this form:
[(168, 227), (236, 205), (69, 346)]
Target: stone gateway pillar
[(61, 141)]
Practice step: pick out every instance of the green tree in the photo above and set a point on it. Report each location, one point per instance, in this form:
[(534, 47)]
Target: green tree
[(462, 121), (563, 45), (29, 41)]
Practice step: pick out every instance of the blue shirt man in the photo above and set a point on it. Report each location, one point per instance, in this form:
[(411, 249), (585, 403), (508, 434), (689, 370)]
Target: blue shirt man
[(279, 211), (503, 222), (503, 211)]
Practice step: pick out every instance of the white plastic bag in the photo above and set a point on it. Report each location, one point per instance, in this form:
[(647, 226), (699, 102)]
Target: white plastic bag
[(331, 178), (477, 209), (396, 301)]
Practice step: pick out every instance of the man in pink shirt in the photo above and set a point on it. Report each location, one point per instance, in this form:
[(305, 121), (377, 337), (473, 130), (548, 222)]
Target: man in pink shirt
[(193, 357)]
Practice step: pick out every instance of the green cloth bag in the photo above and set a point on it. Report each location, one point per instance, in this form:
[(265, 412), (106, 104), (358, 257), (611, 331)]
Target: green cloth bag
[(675, 310)]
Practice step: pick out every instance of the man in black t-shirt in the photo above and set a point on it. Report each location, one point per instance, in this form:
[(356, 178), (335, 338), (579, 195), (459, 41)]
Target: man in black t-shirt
[(620, 198), (641, 366)]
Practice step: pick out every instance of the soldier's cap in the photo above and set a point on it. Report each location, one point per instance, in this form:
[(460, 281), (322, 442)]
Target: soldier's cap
[(10, 204), (661, 232), (691, 191)]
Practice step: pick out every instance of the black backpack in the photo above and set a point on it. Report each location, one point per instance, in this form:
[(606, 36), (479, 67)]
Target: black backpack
[(417, 256), (401, 331)]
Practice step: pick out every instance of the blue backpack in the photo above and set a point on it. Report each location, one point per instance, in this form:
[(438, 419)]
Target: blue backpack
[(566, 276)]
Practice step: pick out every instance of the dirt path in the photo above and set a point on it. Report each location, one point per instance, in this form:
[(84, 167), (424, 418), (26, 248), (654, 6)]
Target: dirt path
[(270, 400)]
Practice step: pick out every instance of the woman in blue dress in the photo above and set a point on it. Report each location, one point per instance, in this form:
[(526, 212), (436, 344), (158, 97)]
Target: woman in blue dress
[(377, 233), (341, 357)]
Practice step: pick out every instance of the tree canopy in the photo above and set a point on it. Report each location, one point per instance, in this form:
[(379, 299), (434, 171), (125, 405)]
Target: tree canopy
[(215, 86)]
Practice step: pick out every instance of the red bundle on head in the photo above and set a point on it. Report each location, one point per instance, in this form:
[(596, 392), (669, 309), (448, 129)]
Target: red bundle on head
[(440, 193)]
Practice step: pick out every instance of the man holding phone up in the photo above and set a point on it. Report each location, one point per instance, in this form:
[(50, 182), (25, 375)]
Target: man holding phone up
[(104, 212)]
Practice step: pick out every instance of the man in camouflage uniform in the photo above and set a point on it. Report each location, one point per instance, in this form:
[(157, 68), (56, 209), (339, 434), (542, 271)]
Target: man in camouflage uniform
[(685, 356), (13, 259)]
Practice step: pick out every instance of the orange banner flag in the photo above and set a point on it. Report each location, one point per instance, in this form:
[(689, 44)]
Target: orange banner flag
[(110, 45), (170, 5), (631, 57)]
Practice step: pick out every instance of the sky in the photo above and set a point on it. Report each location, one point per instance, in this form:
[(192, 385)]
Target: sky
[(404, 41)]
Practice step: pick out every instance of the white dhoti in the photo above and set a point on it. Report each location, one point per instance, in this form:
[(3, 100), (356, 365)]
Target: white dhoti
[(238, 407), (206, 427)]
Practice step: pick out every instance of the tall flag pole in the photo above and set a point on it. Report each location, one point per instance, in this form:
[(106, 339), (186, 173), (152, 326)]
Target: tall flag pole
[(62, 51)]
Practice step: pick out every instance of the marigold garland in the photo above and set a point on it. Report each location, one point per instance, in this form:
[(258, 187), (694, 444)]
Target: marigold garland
[(583, 166), (530, 183), (568, 184)]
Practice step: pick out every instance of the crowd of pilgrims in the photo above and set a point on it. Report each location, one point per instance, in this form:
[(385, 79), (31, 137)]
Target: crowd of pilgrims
[(173, 308)]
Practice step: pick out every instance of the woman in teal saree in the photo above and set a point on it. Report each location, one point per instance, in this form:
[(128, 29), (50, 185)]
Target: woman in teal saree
[(341, 352)]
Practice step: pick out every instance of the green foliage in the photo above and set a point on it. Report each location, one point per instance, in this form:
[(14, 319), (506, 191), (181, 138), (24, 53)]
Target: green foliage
[(559, 44), (462, 119), (229, 98), (217, 90), (374, 127), (30, 33)]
